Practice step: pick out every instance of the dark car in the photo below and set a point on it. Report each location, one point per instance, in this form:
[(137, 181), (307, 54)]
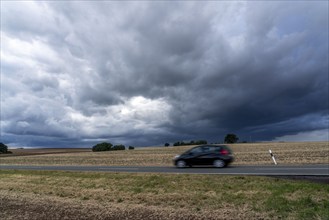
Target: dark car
[(205, 155)]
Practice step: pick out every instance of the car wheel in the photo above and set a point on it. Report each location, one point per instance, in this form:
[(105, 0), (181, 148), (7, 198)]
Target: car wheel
[(181, 164), (219, 163)]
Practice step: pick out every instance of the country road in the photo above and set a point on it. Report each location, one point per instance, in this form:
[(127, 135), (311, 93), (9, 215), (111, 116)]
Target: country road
[(279, 170)]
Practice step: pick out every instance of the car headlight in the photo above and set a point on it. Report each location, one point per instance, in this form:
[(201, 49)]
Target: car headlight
[(176, 156)]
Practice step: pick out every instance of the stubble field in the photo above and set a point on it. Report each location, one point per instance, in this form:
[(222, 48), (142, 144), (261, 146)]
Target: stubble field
[(88, 195), (245, 154)]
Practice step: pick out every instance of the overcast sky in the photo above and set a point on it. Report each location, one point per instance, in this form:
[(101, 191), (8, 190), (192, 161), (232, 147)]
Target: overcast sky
[(77, 73)]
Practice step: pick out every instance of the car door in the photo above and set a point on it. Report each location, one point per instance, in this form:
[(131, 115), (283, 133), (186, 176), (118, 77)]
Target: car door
[(193, 156), (200, 157), (207, 156)]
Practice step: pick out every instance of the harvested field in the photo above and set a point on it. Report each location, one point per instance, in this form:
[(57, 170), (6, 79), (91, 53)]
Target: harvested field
[(245, 154)]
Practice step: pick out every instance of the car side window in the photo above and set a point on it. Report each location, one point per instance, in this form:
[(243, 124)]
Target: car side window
[(206, 149), (196, 150), (212, 149)]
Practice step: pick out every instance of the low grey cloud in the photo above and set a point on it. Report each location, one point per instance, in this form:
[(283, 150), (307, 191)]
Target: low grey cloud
[(146, 73)]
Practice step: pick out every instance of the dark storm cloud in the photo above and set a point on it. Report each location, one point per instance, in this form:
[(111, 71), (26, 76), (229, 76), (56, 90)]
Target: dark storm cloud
[(149, 73)]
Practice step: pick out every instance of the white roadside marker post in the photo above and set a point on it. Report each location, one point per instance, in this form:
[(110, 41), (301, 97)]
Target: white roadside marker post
[(273, 158)]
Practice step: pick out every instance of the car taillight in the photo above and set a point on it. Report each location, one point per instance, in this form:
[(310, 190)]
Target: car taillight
[(224, 152)]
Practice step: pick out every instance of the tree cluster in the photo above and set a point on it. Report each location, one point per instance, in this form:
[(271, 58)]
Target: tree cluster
[(198, 142), (105, 146), (229, 139)]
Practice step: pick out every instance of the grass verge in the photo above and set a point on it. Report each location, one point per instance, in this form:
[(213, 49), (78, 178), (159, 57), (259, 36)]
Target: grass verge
[(86, 195)]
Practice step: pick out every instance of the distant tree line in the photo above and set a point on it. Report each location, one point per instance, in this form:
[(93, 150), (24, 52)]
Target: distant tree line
[(229, 139), (105, 146), (182, 143)]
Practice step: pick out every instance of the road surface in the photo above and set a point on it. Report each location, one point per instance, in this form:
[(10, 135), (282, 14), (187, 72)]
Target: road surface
[(268, 170)]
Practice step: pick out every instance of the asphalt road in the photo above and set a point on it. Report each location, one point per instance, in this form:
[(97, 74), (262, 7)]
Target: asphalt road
[(269, 170)]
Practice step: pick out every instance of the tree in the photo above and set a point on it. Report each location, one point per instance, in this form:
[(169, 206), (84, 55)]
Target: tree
[(231, 138), (131, 148), (3, 148), (167, 145)]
